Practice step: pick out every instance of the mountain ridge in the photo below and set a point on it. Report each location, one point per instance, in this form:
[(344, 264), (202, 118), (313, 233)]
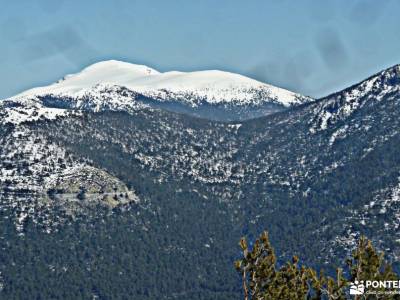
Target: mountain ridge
[(210, 94), (98, 184), (140, 78)]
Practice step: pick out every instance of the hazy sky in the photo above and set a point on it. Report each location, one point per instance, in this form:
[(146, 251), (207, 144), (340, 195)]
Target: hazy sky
[(310, 46)]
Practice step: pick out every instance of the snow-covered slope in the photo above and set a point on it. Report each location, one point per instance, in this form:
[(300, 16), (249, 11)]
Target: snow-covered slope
[(18, 111), (114, 72), (383, 86), (192, 88)]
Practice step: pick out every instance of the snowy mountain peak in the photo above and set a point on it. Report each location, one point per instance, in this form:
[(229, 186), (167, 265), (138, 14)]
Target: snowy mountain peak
[(108, 66), (110, 71), (192, 88)]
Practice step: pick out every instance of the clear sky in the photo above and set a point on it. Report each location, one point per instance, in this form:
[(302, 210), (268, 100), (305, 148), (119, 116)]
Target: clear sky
[(310, 46)]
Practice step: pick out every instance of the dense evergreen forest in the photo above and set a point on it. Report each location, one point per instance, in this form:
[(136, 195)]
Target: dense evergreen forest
[(150, 204)]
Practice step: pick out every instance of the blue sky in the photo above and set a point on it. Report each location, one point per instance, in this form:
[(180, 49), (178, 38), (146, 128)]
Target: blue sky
[(310, 46)]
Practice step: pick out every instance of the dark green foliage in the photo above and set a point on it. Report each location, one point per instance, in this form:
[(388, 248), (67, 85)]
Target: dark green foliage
[(262, 279), (368, 264), (121, 255), (81, 195), (179, 241)]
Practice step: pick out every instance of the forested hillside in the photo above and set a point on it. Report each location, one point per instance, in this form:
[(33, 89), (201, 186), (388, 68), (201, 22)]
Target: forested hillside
[(156, 200)]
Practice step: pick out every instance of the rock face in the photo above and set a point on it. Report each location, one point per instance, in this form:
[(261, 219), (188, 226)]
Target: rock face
[(37, 174), (141, 179)]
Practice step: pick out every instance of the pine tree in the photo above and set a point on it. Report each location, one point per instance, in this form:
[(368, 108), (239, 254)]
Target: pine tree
[(367, 264), (262, 279)]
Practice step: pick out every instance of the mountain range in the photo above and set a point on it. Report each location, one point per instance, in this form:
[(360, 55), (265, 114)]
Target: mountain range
[(121, 86), (123, 182)]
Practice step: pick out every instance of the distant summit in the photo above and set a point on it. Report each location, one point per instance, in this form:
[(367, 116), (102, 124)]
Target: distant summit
[(209, 94)]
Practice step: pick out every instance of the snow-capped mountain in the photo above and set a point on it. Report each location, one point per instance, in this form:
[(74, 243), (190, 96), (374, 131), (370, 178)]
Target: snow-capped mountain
[(164, 185), (116, 85), (384, 85)]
